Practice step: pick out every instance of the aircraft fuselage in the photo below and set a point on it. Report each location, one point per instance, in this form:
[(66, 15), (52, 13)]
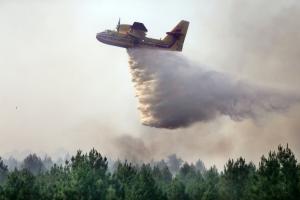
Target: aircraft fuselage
[(127, 41)]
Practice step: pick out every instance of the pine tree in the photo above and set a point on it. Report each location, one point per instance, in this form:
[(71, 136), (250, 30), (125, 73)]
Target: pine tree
[(176, 190), (3, 171), (144, 186), (237, 177)]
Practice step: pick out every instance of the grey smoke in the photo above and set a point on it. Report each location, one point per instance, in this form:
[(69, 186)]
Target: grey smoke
[(132, 149), (174, 92), (174, 163)]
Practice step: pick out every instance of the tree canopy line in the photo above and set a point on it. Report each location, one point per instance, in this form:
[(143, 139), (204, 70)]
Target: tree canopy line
[(88, 176)]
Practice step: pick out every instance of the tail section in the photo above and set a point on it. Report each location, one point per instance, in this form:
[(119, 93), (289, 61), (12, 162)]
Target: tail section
[(175, 38)]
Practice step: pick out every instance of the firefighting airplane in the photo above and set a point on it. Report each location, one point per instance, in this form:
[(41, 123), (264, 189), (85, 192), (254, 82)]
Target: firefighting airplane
[(134, 36)]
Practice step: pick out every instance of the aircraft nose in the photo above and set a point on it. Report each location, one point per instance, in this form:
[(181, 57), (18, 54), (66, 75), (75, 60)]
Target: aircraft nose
[(98, 36)]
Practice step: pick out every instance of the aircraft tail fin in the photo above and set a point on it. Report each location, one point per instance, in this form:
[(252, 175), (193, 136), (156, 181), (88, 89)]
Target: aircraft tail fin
[(175, 38)]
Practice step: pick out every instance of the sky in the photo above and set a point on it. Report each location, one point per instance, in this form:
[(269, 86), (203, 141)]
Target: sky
[(62, 89)]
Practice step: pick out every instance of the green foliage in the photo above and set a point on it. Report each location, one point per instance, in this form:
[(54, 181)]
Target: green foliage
[(162, 175), (86, 176), (176, 190), (56, 184), (237, 177), (123, 178), (211, 184), (278, 176), (21, 185), (144, 186)]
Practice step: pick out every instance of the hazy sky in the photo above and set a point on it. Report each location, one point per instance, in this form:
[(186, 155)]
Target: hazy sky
[(61, 88)]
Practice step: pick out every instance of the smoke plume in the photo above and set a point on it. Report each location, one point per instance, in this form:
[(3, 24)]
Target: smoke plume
[(174, 92)]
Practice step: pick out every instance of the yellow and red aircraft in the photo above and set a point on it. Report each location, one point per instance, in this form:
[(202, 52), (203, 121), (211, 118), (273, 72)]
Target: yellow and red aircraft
[(134, 36)]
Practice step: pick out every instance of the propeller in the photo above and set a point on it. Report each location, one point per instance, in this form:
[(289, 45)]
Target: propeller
[(118, 25)]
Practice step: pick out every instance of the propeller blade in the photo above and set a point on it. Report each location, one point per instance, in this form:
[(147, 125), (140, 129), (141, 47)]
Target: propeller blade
[(118, 26)]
